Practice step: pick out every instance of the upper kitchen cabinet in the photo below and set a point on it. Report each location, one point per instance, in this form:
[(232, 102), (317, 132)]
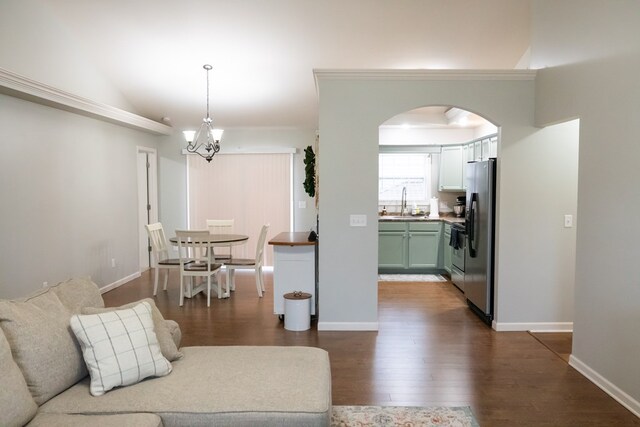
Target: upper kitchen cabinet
[(452, 160), (493, 146), (482, 149)]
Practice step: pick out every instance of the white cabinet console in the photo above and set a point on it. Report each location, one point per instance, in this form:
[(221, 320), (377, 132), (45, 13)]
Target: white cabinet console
[(294, 268)]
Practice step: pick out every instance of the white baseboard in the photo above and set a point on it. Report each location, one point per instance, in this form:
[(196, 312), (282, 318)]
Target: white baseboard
[(347, 326), (534, 327), (607, 386), (120, 282)]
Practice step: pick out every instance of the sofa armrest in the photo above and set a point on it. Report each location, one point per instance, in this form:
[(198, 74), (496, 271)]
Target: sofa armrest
[(175, 331)]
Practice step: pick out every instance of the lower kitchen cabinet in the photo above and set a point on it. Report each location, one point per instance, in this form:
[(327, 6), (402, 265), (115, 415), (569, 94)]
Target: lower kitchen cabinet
[(410, 246), (447, 249), (424, 245), (392, 249)]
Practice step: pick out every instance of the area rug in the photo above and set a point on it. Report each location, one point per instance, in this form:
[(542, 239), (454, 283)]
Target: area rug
[(402, 416), (411, 278)]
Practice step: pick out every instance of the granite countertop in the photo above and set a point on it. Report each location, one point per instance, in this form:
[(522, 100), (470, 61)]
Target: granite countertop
[(447, 218)]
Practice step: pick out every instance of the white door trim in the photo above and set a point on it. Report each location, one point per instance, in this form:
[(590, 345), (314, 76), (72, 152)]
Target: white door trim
[(147, 185)]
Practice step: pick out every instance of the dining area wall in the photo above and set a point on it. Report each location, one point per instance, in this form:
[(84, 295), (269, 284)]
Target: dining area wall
[(250, 189), (174, 184)]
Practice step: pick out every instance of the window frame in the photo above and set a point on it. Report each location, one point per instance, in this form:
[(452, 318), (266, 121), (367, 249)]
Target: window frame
[(428, 174)]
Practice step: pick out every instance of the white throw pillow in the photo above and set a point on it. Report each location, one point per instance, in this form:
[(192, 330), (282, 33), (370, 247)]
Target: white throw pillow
[(167, 345), (119, 347)]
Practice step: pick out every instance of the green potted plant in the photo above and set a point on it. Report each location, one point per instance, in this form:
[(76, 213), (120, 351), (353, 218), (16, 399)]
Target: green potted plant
[(310, 171)]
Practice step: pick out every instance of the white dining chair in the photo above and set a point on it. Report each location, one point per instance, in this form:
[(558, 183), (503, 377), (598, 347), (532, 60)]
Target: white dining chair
[(160, 252), (202, 266), (255, 264), (221, 226)]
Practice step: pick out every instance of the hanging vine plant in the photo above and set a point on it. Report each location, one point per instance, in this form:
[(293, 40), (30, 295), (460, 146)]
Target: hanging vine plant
[(310, 171)]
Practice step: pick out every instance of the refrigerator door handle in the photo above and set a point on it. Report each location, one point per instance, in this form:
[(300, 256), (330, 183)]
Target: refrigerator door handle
[(472, 226)]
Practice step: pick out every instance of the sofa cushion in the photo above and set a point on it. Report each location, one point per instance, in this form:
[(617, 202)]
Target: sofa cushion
[(161, 328), (43, 346), (17, 406), (222, 386), (123, 420), (174, 330), (119, 347), (78, 293)]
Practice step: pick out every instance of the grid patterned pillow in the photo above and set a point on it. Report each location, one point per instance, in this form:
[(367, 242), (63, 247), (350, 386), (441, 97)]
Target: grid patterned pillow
[(167, 345), (119, 347)]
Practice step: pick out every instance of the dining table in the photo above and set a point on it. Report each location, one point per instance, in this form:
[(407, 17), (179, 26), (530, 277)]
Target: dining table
[(220, 239), (214, 240)]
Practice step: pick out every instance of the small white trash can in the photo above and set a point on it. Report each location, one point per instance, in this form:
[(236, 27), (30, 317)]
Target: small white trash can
[(297, 311)]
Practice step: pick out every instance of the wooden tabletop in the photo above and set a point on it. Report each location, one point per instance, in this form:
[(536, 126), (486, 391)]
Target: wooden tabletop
[(219, 238), (297, 238)]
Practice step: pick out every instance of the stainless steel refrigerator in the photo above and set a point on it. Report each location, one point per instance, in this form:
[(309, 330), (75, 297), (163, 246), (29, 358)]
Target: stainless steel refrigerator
[(480, 228)]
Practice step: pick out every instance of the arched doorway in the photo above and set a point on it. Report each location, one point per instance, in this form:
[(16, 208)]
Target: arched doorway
[(428, 157)]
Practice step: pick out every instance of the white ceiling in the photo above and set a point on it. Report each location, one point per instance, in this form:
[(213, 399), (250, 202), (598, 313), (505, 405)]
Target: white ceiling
[(264, 52), (436, 117)]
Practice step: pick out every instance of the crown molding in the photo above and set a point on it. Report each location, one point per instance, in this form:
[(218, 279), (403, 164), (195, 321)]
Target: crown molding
[(337, 74), (24, 88)]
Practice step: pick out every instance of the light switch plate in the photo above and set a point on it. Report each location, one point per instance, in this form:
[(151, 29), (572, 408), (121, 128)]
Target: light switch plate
[(358, 220), (568, 221)]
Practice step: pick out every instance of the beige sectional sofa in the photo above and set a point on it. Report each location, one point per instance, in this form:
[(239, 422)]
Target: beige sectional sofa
[(46, 382)]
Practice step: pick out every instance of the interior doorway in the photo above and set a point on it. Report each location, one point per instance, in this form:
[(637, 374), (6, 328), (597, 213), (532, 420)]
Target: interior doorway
[(428, 159), (147, 167)]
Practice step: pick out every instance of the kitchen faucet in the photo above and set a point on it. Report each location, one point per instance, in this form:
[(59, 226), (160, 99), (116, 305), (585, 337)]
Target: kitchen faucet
[(403, 202)]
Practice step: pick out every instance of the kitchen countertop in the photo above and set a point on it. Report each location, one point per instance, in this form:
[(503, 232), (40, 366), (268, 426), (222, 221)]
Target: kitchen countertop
[(396, 218)]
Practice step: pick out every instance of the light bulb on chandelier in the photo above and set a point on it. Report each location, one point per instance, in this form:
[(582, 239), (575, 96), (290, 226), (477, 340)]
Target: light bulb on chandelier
[(206, 149)]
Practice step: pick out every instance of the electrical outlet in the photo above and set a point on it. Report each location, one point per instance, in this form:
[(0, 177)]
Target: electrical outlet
[(302, 204), (113, 262), (45, 284), (568, 221), (358, 220)]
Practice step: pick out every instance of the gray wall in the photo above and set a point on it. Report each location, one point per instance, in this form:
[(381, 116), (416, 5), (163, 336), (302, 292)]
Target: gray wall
[(592, 53), (69, 197), (351, 109), (536, 259), (70, 204), (68, 182)]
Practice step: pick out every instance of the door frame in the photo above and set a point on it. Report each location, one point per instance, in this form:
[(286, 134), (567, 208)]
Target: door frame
[(147, 173)]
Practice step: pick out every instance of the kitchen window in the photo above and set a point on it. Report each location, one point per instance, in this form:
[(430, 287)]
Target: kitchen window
[(398, 170)]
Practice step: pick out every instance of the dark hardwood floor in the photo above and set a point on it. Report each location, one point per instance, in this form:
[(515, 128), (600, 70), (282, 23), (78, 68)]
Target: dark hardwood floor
[(558, 342), (429, 350)]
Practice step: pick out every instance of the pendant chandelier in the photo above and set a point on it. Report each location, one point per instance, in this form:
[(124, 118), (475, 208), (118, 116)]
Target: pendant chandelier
[(205, 149)]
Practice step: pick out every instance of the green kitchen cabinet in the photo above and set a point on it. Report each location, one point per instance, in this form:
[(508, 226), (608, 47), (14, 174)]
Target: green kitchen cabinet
[(447, 250), (392, 245), (451, 168), (425, 245), (392, 249), (410, 246)]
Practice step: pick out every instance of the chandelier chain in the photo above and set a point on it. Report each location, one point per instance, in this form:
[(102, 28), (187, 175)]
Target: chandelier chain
[(208, 68)]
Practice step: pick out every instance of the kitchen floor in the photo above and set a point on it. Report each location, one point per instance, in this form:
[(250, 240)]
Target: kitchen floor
[(429, 350)]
